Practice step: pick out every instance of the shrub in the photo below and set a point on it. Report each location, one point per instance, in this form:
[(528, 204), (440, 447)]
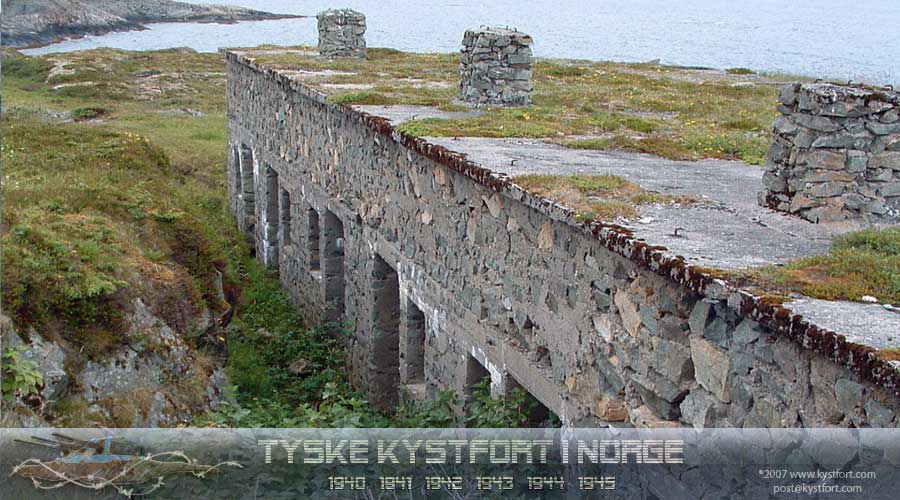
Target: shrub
[(30, 70), (21, 377), (90, 113), (514, 410)]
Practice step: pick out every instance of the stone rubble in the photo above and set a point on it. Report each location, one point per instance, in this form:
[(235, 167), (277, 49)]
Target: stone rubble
[(495, 67), (835, 154), (342, 33)]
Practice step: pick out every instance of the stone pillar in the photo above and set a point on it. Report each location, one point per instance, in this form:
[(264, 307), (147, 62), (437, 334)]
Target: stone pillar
[(495, 67), (342, 33), (835, 154)]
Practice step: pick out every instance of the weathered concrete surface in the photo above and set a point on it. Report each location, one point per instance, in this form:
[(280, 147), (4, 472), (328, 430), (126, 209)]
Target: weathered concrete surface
[(382, 230), (868, 324), (399, 113), (732, 232)]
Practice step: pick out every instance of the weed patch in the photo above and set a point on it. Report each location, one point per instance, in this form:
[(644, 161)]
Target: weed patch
[(861, 263)]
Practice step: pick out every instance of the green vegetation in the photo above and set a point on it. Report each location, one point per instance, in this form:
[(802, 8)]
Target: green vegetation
[(637, 107), (359, 98), (740, 71), (860, 263), (603, 197), (27, 70), (21, 377), (91, 113), (84, 206), (286, 374), (518, 409), (99, 212)]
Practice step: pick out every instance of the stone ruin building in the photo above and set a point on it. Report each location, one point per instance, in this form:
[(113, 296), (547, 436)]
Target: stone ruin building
[(835, 154), (495, 67), (447, 272), (342, 33)]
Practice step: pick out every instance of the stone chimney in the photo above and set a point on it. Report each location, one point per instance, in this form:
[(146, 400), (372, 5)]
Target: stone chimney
[(342, 33), (835, 154), (495, 67)]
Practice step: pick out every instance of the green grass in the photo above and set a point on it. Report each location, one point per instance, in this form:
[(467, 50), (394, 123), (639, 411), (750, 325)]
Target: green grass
[(76, 227), (90, 113), (367, 97), (861, 263), (27, 70), (645, 108)]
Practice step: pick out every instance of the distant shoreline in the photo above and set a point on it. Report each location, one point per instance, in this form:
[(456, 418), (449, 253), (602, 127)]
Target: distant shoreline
[(33, 24), (76, 33)]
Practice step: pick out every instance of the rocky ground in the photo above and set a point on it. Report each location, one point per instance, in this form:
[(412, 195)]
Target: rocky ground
[(159, 380), (39, 22)]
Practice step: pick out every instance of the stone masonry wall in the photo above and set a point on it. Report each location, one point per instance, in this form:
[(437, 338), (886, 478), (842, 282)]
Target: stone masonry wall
[(835, 154), (495, 67), (442, 279), (342, 33)]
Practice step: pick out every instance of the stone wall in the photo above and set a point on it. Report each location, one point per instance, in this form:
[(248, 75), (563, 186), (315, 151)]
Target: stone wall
[(446, 273), (835, 154), (495, 67), (342, 33)]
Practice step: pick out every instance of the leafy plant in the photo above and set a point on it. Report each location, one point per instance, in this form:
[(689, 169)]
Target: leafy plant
[(21, 376), (512, 410), (434, 413)]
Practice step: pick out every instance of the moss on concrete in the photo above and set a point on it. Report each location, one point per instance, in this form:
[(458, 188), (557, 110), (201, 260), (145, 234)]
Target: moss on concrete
[(603, 197), (860, 263)]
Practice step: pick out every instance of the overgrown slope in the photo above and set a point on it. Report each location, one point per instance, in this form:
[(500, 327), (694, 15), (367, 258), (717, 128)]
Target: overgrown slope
[(116, 239)]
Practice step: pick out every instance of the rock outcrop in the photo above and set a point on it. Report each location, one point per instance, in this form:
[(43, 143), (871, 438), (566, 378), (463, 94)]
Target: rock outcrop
[(156, 380), (39, 22)]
